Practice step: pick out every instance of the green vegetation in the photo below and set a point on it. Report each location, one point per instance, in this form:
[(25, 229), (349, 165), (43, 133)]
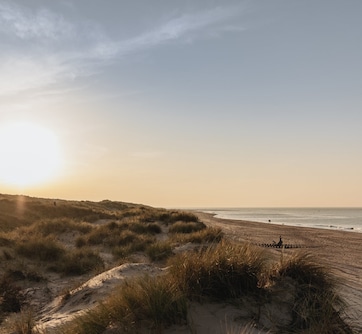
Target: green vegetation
[(186, 227), (160, 250), (207, 235), (80, 262), (41, 237), (39, 248), (317, 308), (222, 271), (153, 303)]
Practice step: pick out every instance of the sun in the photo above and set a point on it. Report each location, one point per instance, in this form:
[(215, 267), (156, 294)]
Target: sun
[(29, 154)]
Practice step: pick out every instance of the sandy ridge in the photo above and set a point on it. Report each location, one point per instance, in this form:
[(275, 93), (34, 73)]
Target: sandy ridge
[(339, 250)]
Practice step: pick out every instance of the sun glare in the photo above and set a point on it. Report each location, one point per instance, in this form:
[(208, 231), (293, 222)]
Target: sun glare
[(29, 154)]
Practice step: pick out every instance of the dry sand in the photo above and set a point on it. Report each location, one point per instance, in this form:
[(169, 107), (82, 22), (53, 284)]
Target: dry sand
[(339, 250)]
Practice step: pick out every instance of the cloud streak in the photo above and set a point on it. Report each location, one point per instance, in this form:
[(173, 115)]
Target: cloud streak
[(60, 51), (24, 23), (180, 27), (186, 24)]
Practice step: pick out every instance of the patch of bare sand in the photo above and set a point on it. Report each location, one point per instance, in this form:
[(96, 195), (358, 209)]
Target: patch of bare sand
[(339, 250), (206, 318), (342, 251), (64, 308)]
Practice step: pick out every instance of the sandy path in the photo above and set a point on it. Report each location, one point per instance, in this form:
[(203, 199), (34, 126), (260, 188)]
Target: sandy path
[(340, 250)]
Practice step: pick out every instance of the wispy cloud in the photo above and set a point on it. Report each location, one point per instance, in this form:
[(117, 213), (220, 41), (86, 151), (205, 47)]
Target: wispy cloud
[(181, 26), (24, 23), (60, 51)]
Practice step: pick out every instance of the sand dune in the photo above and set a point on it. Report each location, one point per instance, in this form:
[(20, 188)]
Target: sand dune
[(339, 250)]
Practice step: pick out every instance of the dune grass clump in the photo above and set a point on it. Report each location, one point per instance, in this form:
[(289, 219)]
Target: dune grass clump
[(58, 226), (186, 227), (149, 228), (160, 250), (157, 302), (167, 216), (129, 243), (41, 248), (98, 236), (222, 271), (318, 308), (152, 303), (206, 235), (80, 262), (51, 252), (183, 216), (116, 234)]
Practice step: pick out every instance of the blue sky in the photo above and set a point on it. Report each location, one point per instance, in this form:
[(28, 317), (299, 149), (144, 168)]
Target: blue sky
[(190, 103)]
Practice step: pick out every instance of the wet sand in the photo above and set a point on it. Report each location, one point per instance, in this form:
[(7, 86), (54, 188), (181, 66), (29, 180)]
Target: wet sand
[(339, 250)]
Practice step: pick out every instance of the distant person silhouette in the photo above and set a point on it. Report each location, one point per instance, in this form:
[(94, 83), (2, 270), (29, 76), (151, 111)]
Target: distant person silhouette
[(280, 243)]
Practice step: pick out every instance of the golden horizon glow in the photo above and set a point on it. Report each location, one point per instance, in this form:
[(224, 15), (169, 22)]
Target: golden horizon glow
[(29, 153)]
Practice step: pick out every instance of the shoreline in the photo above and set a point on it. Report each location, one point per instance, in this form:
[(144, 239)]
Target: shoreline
[(321, 221), (339, 250), (322, 227)]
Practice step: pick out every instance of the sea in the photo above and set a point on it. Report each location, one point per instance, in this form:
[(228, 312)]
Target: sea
[(346, 219)]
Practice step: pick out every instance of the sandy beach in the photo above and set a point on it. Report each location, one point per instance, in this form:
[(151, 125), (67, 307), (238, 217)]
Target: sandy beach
[(339, 250), (57, 298)]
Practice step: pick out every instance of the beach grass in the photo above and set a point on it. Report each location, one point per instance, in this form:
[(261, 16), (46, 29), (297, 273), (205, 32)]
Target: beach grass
[(147, 302), (67, 238), (221, 271), (318, 308)]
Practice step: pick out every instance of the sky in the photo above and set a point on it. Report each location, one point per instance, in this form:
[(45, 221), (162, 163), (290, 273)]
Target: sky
[(184, 103)]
